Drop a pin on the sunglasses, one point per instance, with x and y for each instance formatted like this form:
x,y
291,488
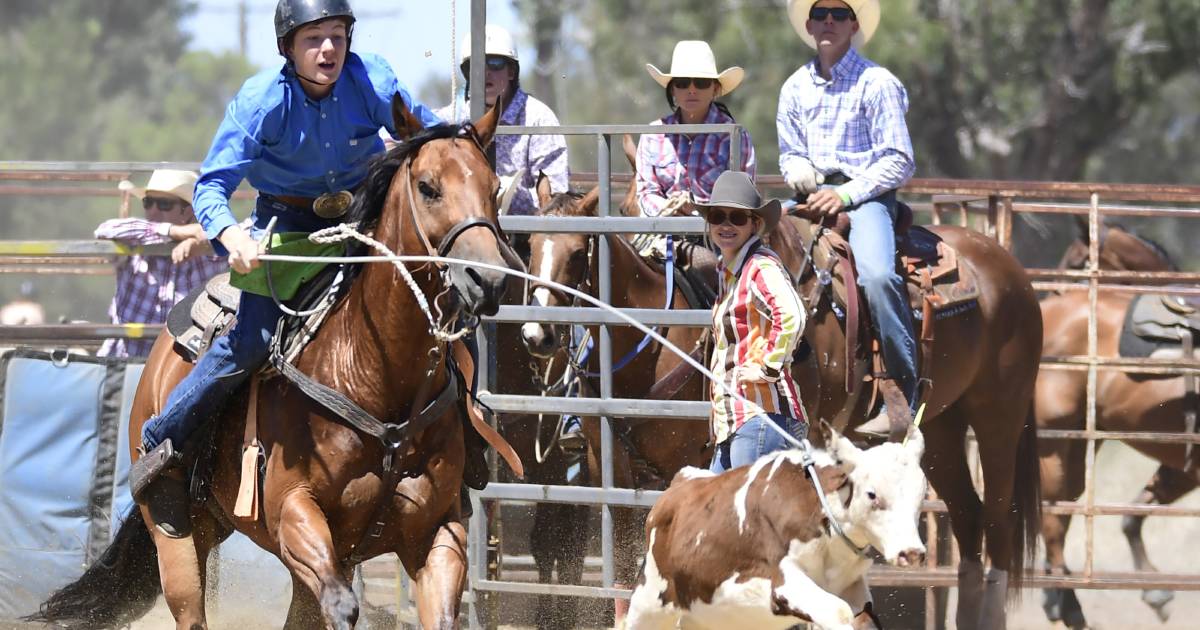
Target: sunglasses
x,y
496,63
685,83
735,217
165,205
840,14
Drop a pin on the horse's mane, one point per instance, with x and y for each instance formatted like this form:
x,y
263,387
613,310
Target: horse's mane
x,y
564,205
1152,244
372,194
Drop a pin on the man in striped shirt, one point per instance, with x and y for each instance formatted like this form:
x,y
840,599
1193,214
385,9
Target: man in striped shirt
x,y
844,143
148,286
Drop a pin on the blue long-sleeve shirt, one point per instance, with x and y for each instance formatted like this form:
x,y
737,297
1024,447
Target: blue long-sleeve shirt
x,y
285,143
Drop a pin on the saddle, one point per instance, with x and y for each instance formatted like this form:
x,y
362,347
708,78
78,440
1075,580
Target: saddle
x,y
1157,323
208,312
939,284
929,265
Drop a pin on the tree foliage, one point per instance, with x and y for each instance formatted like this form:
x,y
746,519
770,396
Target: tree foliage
x,y
100,81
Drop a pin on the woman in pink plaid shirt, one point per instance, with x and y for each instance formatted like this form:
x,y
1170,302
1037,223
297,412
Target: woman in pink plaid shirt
x,y
674,170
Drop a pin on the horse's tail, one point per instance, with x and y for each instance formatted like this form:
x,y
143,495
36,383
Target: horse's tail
x,y
117,589
1027,504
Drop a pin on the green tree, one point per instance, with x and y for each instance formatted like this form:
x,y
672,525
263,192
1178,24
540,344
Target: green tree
x,y
100,81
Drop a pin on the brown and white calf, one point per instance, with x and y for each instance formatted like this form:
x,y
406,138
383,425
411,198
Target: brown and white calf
x,y
752,548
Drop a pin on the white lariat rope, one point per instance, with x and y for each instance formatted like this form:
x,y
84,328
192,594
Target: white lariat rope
x,y
342,232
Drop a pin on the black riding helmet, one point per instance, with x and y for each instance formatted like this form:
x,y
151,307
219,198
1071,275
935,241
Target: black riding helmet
x,y
292,14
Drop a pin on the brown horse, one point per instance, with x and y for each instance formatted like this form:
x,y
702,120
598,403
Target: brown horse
x,y
1124,402
983,372
648,451
326,498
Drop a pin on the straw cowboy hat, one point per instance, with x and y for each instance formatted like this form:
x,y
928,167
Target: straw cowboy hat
x,y
866,11
694,59
167,181
734,189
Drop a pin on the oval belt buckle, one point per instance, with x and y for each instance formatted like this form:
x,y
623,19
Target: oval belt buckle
x,y
333,205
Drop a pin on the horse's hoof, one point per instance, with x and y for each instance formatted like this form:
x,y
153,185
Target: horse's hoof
x,y
1158,599
1072,612
1052,603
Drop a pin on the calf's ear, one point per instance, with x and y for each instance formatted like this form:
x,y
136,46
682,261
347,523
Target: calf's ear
x,y
914,443
846,452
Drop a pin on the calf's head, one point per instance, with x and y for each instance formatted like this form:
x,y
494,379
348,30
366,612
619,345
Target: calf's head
x,y
887,486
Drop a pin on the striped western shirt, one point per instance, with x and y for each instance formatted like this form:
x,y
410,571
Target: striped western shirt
x,y
673,162
852,123
758,319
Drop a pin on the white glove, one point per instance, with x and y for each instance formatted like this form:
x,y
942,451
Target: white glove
x,y
805,178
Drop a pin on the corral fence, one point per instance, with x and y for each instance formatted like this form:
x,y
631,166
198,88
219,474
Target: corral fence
x,y
989,206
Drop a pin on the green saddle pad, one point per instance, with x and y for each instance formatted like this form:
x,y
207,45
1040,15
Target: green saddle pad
x,y
287,277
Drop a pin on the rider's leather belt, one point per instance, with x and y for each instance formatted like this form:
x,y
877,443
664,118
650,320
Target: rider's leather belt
x,y
328,206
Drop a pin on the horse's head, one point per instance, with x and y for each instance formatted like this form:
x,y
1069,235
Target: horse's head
x,y
1120,250
561,258
434,193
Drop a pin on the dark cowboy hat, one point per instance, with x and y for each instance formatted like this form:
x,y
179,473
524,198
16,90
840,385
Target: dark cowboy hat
x,y
734,189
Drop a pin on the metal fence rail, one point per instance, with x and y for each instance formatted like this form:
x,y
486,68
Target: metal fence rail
x,y
991,204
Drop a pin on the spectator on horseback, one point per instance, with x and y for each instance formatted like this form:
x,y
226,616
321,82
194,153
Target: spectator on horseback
x,y
515,156
675,170
148,286
302,135
844,143
757,321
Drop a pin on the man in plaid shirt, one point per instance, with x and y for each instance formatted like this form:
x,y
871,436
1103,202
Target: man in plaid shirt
x,y
844,143
148,286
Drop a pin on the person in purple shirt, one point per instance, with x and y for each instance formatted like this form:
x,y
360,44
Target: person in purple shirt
x,y
844,143
523,156
302,135
148,286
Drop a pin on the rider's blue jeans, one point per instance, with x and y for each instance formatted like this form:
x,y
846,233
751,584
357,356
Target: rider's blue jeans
x,y
233,357
873,241
755,439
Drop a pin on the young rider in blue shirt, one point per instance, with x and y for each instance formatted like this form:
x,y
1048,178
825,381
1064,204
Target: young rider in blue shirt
x,y
301,135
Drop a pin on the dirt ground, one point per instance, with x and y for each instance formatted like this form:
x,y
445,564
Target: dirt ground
x,y
254,593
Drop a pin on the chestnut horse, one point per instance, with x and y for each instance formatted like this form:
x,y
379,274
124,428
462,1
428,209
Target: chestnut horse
x,y
983,372
1124,402
648,452
326,498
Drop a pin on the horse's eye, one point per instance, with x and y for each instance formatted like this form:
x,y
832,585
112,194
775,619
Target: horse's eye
x,y
429,192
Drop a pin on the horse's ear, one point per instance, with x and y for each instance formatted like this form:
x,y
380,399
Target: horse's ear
x,y
543,189
485,127
630,150
590,202
407,125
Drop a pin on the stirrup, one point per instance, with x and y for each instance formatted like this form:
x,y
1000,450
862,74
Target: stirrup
x,y
573,442
151,464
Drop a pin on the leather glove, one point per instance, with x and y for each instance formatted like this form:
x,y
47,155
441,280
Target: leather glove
x,y
805,178
677,204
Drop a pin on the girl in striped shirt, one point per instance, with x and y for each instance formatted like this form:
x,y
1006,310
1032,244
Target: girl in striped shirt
x,y
757,321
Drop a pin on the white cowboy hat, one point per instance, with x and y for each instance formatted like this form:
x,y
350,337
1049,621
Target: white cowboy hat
x,y
164,180
866,11
694,59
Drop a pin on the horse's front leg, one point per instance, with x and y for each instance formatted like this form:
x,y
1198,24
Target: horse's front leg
x,y
1167,486
306,548
440,576
182,565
